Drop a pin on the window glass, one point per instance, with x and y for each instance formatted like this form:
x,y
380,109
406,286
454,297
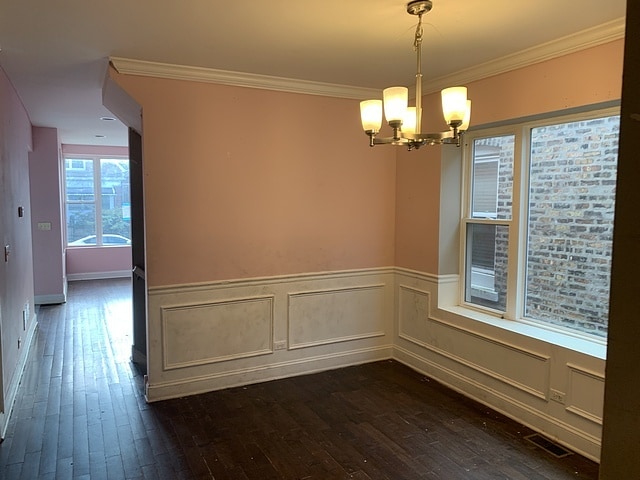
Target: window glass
x,y
492,179
116,216
486,279
572,175
81,212
97,201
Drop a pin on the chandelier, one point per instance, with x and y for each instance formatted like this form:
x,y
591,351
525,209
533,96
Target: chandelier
x,y
406,121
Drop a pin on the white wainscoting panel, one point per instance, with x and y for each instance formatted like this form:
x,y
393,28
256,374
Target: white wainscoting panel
x,y
337,315
585,396
201,333
210,336
413,313
517,367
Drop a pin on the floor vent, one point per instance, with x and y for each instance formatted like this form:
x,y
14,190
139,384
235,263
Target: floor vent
x,y
553,448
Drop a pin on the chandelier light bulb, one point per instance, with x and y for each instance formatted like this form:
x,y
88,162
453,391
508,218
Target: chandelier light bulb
x,y
395,103
467,118
454,104
371,115
410,120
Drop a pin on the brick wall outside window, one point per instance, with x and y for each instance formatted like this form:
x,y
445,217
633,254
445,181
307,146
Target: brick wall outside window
x,y
571,208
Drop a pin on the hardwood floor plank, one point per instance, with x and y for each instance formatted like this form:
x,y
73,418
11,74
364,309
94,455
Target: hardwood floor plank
x,y
30,466
115,468
65,432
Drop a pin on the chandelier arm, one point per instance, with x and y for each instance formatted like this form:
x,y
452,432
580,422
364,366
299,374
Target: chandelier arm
x,y
416,140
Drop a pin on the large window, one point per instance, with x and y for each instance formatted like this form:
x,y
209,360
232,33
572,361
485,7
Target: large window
x,y
538,221
97,201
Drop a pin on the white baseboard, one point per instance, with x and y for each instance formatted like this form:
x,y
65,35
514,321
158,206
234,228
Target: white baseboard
x,y
98,275
50,299
264,373
12,391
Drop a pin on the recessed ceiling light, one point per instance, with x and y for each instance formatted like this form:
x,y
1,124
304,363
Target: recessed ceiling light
x,y
107,119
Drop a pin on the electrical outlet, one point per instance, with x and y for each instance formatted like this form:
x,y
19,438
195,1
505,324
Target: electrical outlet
x,y
557,396
280,345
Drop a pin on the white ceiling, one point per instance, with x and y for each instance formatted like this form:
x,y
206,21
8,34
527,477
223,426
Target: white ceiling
x,y
56,52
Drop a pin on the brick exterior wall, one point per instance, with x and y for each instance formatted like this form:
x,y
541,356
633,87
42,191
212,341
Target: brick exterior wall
x,y
572,200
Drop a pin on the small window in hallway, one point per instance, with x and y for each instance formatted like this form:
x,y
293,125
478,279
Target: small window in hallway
x,y
97,201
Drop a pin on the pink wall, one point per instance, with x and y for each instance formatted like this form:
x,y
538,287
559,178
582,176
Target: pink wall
x,y
44,175
85,261
590,76
16,275
106,150
243,183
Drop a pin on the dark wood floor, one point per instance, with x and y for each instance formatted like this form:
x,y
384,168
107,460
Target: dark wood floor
x,y
80,413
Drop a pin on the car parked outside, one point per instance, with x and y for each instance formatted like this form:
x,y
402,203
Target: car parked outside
x,y
108,239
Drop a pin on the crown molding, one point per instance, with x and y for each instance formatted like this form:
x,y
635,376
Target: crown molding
x,y
144,68
591,37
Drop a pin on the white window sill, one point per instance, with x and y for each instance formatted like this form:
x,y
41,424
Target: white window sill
x,y
593,347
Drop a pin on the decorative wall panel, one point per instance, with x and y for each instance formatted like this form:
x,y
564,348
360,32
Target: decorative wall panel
x,y
202,333
336,315
586,393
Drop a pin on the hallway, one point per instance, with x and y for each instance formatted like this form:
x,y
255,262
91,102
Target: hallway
x,y
80,414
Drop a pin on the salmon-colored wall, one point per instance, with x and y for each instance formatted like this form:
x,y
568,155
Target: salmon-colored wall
x,y
243,183
587,77
582,78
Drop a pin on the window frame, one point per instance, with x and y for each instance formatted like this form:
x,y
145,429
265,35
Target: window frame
x,y
97,195
517,225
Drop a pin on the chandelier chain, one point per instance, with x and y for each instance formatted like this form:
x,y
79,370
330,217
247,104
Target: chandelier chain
x,y
418,36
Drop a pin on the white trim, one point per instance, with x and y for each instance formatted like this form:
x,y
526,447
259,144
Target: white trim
x,y
98,275
429,277
12,390
246,376
259,281
601,34
53,299
144,68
